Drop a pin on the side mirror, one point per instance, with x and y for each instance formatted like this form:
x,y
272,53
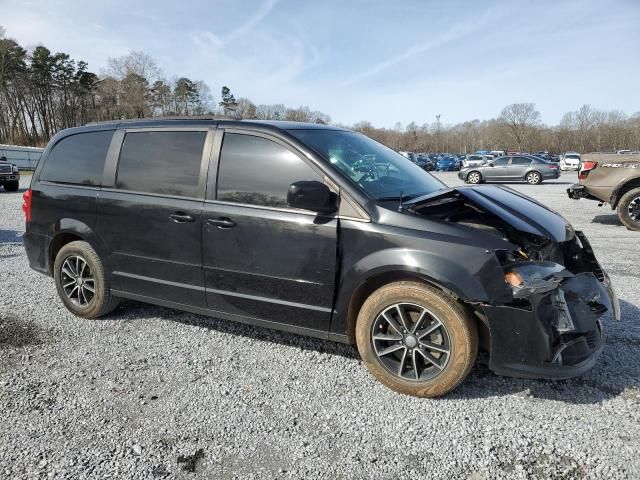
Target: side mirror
x,y
312,195
491,164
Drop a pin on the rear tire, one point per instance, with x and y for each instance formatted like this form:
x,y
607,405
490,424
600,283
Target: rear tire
x,y
533,178
416,362
11,186
629,209
77,271
474,177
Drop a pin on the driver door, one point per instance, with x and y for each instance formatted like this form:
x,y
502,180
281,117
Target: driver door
x,y
263,259
500,169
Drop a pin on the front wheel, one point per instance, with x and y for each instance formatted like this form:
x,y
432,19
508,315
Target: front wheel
x,y
629,209
533,178
474,177
415,339
81,282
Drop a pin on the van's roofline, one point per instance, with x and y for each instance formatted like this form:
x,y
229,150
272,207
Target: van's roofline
x,y
212,119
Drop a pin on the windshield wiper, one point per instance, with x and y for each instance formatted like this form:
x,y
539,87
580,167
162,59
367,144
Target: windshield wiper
x,y
398,198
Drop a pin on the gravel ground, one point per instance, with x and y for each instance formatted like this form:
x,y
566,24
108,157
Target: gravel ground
x,y
151,392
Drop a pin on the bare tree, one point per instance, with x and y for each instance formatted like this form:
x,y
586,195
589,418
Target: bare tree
x,y
520,119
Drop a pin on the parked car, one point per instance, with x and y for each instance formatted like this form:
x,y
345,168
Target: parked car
x,y
9,175
447,163
623,152
297,227
425,162
524,168
570,161
612,179
497,153
473,161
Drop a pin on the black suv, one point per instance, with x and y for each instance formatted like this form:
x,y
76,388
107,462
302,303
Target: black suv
x,y
319,231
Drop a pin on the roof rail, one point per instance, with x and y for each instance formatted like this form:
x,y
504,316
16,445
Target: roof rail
x,y
152,119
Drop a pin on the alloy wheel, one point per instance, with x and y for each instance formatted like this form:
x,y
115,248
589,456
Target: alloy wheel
x,y
411,342
474,177
77,280
634,210
533,178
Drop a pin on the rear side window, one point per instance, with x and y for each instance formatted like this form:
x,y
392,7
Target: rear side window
x,y
520,161
161,162
258,171
78,159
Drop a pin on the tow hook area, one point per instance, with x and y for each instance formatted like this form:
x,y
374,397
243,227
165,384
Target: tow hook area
x,y
553,328
577,191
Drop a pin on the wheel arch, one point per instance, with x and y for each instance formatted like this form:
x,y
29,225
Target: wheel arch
x,y
474,171
623,188
374,282
70,230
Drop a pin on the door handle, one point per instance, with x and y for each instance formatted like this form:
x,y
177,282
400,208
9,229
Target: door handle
x,y
181,217
222,222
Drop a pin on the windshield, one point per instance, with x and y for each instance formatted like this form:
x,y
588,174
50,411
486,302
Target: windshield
x,y
572,157
377,170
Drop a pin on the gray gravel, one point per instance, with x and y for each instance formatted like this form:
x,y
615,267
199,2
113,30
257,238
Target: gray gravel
x,y
154,393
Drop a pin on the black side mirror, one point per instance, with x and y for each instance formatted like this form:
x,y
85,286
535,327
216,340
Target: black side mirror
x,y
312,195
491,164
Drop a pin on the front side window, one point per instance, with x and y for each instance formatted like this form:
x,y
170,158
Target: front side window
x,y
377,170
161,162
78,159
258,171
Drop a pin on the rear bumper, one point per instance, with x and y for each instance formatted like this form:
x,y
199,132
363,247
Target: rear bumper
x,y
559,335
577,191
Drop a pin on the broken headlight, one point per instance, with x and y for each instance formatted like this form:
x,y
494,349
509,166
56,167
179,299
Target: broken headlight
x,y
527,278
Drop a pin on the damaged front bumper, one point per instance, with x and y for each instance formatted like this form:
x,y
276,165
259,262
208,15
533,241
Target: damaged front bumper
x,y
553,327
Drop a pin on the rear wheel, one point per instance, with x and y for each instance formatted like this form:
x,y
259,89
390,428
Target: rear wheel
x,y
11,186
81,282
415,339
533,178
474,177
629,209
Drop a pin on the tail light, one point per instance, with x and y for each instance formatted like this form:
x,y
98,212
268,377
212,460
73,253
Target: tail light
x,y
585,168
26,205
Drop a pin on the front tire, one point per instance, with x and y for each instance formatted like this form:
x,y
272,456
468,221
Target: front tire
x,y
533,178
81,282
415,339
474,177
629,209
11,186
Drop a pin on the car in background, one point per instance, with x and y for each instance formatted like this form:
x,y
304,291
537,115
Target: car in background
x,y
473,160
9,175
497,153
623,152
425,162
511,168
447,163
570,161
410,155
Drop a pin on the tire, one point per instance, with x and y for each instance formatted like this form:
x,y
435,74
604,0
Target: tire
x,y
456,332
77,297
629,209
12,186
474,177
533,178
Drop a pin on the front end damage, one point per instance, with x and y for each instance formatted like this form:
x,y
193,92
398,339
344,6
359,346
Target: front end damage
x,y
546,323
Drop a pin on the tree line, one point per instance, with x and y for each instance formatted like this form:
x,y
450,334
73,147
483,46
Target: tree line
x,y
43,92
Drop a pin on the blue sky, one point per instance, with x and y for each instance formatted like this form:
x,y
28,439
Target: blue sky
x,y
382,61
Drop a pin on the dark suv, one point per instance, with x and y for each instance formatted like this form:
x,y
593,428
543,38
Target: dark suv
x,y
319,231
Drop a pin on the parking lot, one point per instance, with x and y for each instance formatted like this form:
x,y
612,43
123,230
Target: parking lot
x,y
150,392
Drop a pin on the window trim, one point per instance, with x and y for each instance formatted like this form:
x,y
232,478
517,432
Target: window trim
x,y
112,163
215,167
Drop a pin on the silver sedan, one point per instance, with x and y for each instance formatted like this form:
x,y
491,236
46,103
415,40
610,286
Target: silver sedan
x,y
523,168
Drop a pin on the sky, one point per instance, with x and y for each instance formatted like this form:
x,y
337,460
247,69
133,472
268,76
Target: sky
x,y
384,61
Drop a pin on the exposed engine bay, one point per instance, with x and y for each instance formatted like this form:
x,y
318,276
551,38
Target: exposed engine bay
x,y
558,290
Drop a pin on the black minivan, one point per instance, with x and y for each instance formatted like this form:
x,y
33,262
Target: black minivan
x,y
320,231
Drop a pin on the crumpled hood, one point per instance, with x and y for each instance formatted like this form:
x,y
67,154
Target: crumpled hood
x,y
521,212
